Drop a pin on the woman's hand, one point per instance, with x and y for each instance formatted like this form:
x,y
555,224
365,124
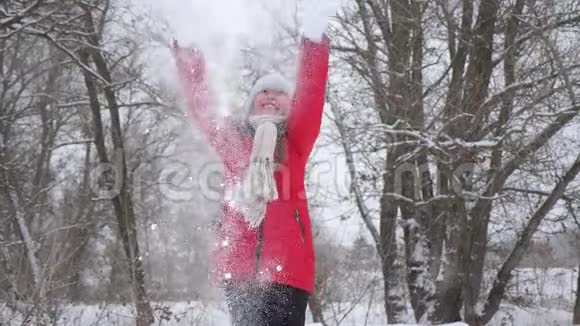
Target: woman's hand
x,y
189,60
316,17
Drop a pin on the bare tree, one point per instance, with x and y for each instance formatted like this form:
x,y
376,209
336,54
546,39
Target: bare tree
x,y
402,47
122,201
27,100
455,140
73,32
385,239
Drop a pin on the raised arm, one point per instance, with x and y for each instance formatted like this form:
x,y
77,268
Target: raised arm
x,y
192,73
306,115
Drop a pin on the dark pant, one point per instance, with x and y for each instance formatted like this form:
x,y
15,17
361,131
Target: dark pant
x,y
271,305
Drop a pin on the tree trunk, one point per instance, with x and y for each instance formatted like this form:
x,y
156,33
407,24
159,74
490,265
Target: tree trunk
x,y
14,202
122,203
390,262
480,230
316,308
419,279
455,288
448,301
400,107
82,234
415,175
448,292
384,238
476,90
576,317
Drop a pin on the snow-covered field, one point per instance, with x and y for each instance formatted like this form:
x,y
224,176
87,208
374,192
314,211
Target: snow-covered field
x,y
544,297
197,313
545,287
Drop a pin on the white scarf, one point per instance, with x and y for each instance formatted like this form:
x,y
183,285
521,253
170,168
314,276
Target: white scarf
x,y
258,187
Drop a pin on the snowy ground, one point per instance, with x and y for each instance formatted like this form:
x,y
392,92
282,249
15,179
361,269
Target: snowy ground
x,y
550,291
197,313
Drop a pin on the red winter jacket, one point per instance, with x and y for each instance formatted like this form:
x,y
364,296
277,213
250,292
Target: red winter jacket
x,y
281,250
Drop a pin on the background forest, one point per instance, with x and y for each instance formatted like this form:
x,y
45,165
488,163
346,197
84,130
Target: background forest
x,y
444,184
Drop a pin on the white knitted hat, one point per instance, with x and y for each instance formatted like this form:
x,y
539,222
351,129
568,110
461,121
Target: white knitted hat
x,y
271,82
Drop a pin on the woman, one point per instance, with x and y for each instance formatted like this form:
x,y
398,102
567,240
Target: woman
x,y
264,253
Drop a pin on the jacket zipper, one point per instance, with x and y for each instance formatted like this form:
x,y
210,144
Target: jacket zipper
x,y
259,250
299,221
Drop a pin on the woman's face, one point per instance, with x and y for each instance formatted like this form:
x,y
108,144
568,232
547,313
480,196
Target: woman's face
x,y
271,103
